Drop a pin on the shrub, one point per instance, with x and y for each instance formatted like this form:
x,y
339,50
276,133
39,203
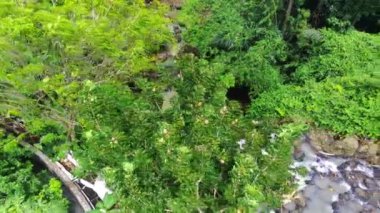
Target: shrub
x,y
346,105
24,188
332,54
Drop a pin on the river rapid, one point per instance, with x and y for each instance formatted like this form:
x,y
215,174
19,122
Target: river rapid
x,y
330,182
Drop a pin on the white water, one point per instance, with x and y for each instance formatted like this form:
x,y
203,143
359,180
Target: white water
x,y
332,184
99,186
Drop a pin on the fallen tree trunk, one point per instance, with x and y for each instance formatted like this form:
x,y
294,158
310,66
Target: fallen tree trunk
x,y
53,168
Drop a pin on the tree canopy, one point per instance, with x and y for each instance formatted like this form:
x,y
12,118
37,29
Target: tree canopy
x,y
149,111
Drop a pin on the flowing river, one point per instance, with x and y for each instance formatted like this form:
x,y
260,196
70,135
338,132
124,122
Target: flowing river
x,y
332,183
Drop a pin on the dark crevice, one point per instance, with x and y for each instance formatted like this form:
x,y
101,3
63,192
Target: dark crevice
x,y
318,13
239,93
368,24
134,88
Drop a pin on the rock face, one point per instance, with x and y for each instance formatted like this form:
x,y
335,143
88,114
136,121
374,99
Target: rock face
x,y
345,147
350,146
374,153
324,141
320,139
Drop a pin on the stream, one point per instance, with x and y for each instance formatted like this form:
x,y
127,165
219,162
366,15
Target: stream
x,y
332,183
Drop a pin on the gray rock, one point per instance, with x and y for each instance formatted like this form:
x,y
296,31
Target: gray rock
x,y
354,187
291,206
370,151
370,184
345,147
351,207
300,200
350,145
310,191
375,160
373,149
376,173
340,187
322,182
345,196
375,199
326,195
318,206
318,139
324,141
362,194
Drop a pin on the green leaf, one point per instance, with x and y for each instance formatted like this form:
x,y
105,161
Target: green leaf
x,y
109,201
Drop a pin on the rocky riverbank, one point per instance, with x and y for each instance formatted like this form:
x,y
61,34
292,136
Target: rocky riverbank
x,y
351,146
335,175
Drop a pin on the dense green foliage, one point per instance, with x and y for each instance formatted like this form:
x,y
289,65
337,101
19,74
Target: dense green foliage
x,y
243,37
89,76
347,105
330,54
22,187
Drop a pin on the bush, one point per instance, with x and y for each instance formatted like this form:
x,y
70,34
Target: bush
x,y
257,68
88,76
24,188
332,54
348,105
215,26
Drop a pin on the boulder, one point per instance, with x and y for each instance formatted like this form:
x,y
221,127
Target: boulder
x,y
300,200
362,151
374,160
319,139
346,147
349,146
369,151
298,153
373,149
290,206
323,141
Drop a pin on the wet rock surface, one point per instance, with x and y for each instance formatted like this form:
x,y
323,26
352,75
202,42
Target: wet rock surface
x,y
338,179
350,146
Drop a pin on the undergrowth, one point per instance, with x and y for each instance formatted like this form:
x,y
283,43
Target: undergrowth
x,y
107,80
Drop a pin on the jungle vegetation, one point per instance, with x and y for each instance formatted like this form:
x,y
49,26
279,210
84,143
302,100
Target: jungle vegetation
x,y
245,79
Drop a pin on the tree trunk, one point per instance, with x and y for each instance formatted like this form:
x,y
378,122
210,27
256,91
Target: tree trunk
x,y
73,188
287,15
